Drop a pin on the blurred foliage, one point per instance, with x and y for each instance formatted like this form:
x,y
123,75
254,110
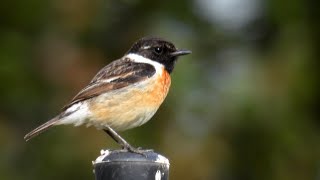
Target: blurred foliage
x,y
244,105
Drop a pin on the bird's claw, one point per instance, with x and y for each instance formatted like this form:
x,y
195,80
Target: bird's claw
x,y
138,150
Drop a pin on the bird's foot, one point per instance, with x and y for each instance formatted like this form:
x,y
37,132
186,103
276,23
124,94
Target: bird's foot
x,y
138,150
124,144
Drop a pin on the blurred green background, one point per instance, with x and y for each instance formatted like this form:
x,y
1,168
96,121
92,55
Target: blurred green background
x,y
243,106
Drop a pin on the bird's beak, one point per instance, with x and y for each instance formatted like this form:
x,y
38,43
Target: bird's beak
x,y
180,53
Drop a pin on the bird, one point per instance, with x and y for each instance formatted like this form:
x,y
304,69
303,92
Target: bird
x,y
124,94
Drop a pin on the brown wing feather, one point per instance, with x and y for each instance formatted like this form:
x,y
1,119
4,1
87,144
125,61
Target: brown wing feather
x,y
120,73
113,69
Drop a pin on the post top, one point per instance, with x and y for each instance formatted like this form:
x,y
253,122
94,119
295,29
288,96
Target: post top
x,y
121,155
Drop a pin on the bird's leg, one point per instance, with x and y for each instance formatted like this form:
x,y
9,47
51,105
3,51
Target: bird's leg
x,y
125,145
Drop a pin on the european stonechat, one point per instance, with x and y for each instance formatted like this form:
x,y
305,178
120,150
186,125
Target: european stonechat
x,y
124,94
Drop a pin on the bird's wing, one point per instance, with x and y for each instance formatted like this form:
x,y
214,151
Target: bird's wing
x,y
116,75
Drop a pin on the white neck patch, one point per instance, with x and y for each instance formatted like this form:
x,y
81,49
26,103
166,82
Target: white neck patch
x,y
140,59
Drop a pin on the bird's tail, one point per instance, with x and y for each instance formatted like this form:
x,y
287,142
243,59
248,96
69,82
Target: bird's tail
x,y
41,129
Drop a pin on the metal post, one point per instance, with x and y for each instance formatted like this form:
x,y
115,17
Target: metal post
x,y
118,164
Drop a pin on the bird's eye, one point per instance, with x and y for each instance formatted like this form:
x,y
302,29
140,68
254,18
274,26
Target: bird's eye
x,y
158,50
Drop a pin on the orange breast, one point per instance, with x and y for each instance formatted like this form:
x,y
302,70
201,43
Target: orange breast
x,y
130,106
159,89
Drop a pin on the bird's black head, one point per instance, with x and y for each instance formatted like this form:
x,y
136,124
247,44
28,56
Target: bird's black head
x,y
159,50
